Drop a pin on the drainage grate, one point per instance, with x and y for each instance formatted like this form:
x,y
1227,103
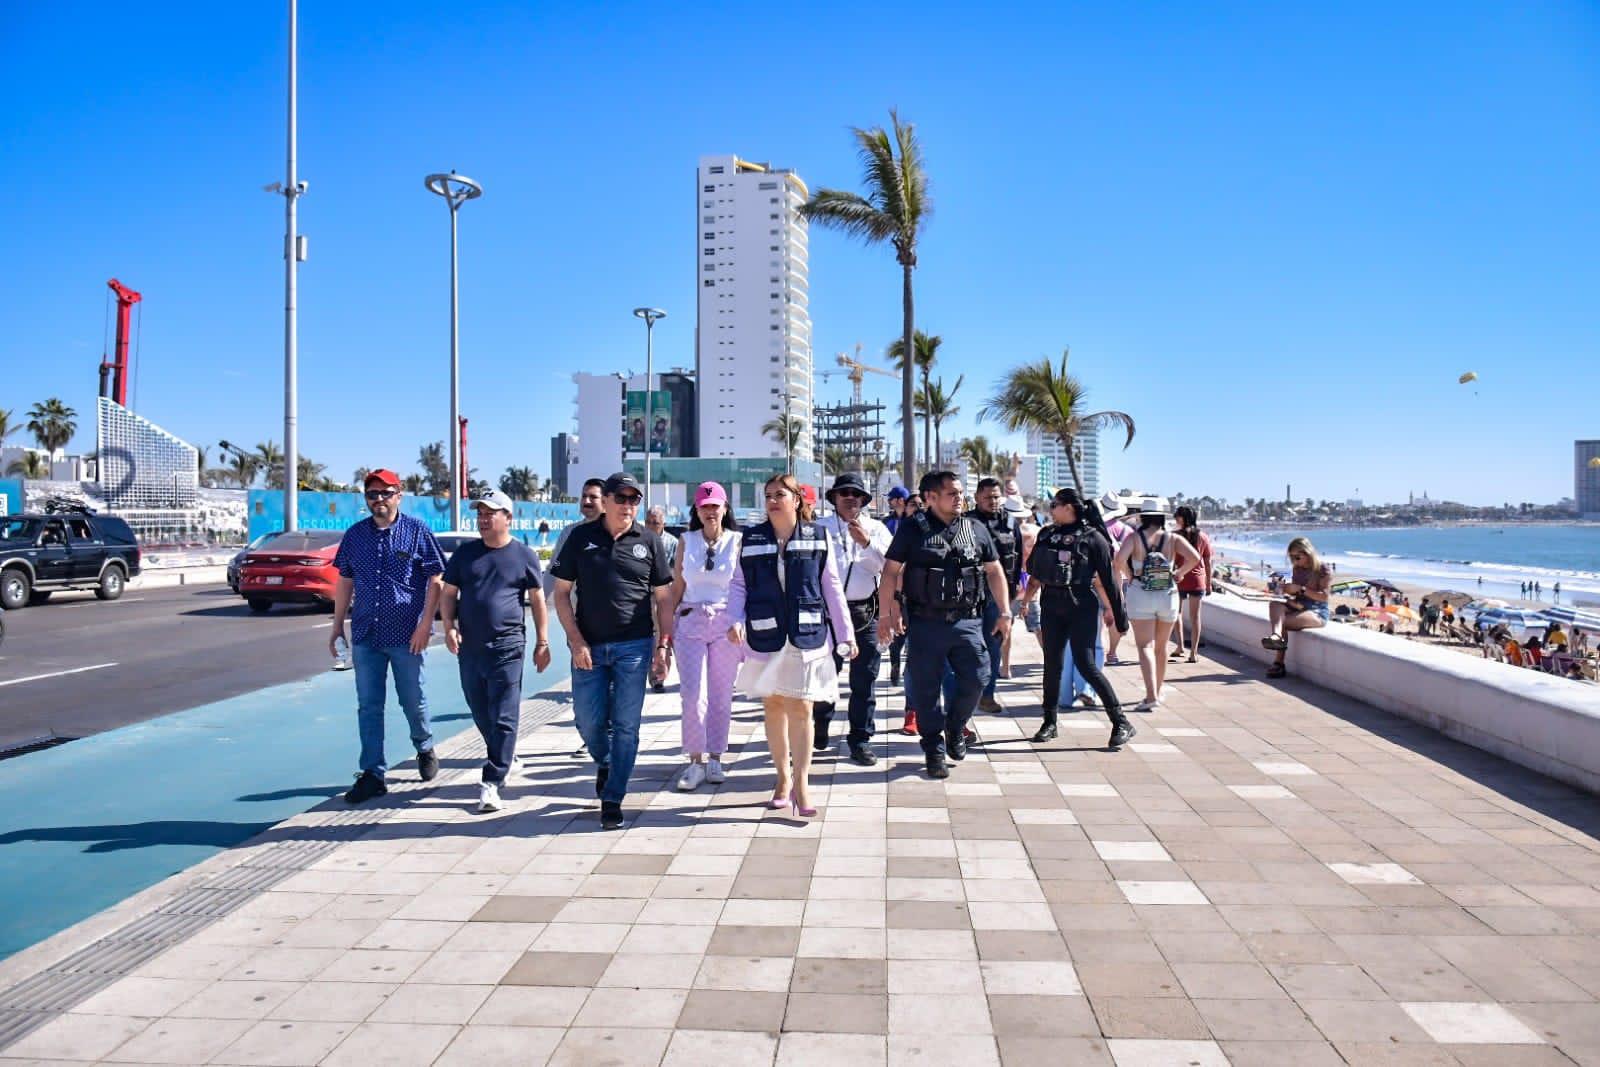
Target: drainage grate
x,y
36,744
37,1000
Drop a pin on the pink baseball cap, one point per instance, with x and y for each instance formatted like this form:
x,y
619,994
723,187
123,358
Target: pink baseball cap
x,y
709,493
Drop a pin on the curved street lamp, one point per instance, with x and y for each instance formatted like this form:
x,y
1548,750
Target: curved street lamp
x,y
456,189
650,317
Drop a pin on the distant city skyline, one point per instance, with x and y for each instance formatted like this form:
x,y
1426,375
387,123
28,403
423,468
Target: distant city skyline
x,y
1275,237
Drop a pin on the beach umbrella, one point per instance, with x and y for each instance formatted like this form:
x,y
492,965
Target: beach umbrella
x,y
1400,611
1516,619
1380,583
1573,617
1449,596
1349,587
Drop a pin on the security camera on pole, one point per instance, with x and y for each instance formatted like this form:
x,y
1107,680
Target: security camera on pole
x,y
456,189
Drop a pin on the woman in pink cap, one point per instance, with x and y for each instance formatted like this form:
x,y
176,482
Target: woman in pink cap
x,y
707,661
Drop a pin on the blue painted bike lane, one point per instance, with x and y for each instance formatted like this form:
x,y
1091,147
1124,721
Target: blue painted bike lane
x,y
93,822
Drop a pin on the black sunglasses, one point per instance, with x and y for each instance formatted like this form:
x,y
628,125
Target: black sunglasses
x,y
711,558
381,494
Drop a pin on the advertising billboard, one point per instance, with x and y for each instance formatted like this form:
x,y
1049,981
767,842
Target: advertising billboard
x,y
657,427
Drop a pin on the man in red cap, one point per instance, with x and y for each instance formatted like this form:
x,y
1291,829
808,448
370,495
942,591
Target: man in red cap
x,y
391,566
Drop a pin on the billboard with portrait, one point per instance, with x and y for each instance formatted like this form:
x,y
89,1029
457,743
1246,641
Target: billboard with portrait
x,y
655,427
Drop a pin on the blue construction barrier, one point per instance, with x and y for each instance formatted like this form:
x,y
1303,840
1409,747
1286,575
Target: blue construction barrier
x,y
339,511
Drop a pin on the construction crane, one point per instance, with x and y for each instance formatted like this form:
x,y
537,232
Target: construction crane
x,y
116,367
858,371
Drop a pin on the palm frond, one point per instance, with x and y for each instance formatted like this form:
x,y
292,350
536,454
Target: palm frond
x,y
880,174
849,213
913,177
1105,420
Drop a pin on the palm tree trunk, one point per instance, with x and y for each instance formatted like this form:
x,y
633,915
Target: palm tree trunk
x,y
927,425
1072,463
908,418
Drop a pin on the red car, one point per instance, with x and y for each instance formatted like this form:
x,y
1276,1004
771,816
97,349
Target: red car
x,y
291,568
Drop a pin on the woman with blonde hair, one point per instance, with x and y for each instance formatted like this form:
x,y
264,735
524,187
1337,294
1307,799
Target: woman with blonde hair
x,y
1304,605
782,601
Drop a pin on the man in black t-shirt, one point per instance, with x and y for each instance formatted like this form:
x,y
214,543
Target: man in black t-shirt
x,y
484,585
619,571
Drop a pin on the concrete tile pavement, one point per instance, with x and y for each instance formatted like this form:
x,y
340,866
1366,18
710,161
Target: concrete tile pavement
x,y
1273,874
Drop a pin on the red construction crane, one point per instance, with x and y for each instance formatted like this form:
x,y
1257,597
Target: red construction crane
x,y
116,368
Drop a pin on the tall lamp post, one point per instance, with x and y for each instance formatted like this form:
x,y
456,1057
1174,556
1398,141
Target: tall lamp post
x,y
456,189
650,317
294,253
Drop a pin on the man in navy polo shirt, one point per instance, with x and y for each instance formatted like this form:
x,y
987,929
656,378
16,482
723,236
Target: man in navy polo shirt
x,y
390,565
618,571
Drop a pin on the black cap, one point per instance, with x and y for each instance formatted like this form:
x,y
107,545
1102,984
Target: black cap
x,y
620,480
852,481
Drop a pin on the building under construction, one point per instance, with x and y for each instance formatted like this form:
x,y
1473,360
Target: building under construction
x,y
856,429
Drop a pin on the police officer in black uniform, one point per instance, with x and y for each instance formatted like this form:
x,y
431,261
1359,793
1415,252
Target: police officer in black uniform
x,y
1066,559
941,561
1006,534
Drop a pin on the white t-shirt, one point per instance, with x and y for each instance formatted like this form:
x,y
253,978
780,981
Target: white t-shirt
x,y
702,586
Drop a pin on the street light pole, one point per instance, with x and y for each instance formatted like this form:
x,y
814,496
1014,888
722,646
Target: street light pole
x,y
650,317
293,253
456,189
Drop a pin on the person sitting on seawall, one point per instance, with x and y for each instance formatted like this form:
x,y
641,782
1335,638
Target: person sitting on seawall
x,y
1305,606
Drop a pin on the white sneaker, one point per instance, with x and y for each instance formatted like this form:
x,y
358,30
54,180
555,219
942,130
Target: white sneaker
x,y
691,777
489,797
714,772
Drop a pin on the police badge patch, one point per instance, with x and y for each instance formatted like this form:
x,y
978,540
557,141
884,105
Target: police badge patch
x,y
640,552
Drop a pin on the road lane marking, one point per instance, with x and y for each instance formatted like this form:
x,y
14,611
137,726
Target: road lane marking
x,y
55,674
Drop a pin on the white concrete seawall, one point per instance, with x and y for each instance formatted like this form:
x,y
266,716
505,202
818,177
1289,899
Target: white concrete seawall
x,y
1545,723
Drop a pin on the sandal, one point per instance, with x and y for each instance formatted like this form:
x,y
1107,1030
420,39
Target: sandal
x,y
1274,643
1277,670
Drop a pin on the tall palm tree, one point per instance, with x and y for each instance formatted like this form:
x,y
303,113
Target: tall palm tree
x,y
1039,396
242,467
435,468
269,458
7,427
519,483
935,406
834,460
31,465
924,354
359,478
415,484
983,459
52,424
785,430
308,472
895,209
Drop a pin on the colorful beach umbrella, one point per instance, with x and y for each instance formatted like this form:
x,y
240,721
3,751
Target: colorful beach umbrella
x,y
1573,617
1516,619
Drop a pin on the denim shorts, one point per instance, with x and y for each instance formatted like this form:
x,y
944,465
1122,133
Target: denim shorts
x,y
1145,603
1319,608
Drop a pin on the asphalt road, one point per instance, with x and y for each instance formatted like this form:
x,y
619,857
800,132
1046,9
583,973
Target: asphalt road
x,y
79,666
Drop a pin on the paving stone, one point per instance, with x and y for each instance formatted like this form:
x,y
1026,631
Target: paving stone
x,y
852,1013
724,1009
558,968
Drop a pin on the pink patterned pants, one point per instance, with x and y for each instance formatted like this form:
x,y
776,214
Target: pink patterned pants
x,y
707,665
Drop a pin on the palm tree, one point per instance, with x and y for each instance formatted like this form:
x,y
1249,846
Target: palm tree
x,y
935,406
981,457
31,465
242,468
895,209
435,468
924,354
519,483
785,430
308,472
7,427
1038,396
359,478
414,484
834,460
269,458
52,424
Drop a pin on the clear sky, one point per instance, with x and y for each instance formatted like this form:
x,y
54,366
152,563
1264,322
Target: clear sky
x,y
1274,234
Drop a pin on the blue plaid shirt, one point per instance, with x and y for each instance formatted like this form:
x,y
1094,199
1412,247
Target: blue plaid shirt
x,y
391,569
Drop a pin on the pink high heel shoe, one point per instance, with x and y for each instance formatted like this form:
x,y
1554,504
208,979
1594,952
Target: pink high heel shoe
x,y
804,813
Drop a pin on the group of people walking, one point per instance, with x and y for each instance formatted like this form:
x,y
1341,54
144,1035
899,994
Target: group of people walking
x,y
781,611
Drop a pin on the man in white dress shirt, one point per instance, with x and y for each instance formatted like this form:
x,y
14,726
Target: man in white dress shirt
x,y
857,542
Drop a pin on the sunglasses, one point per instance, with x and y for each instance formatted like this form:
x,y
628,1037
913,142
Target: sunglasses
x,y
382,494
627,500
711,558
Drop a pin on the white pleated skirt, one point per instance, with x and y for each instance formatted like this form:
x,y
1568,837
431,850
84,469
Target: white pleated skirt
x,y
790,672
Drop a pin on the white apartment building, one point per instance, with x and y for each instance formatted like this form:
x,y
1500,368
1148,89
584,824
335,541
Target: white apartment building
x,y
753,334
1054,459
599,416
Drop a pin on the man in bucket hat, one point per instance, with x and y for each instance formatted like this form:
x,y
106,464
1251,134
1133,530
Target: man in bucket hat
x,y
858,542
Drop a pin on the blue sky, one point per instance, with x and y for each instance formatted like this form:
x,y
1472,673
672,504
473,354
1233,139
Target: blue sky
x,y
1275,235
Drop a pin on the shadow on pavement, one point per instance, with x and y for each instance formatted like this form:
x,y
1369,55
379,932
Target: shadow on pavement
x,y
241,610
323,791
117,837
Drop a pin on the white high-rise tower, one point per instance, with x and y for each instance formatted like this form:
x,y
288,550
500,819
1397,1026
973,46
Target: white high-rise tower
x,y
753,336
1048,446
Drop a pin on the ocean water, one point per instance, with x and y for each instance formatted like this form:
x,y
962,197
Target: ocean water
x,y
1445,557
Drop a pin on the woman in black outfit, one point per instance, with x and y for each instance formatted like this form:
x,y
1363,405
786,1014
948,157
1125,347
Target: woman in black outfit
x,y
1066,559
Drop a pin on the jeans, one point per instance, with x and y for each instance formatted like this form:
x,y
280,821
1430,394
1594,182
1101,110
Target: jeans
x,y
372,665
863,680
991,619
607,703
1073,684
491,679
1079,629
932,647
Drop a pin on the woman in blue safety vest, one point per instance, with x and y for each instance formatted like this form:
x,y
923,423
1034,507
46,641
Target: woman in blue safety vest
x,y
784,598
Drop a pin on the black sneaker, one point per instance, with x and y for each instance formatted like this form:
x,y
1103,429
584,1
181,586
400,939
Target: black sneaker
x,y
581,752
1121,734
937,768
428,765
862,755
367,786
610,815
956,745
600,778
1046,732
